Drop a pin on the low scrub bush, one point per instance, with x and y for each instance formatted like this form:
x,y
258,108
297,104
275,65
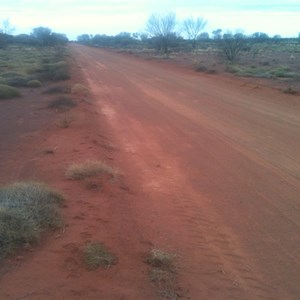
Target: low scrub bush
x,y
59,89
55,71
90,169
26,209
8,92
62,103
96,255
15,78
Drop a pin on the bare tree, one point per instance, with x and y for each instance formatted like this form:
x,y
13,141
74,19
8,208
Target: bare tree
x,y
162,27
6,27
192,28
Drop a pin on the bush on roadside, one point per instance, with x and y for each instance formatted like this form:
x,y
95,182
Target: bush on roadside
x,y
90,169
55,71
62,102
8,92
26,209
96,255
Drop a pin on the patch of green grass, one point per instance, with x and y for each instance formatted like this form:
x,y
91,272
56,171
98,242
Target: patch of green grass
x,y
90,168
96,255
26,210
62,103
8,92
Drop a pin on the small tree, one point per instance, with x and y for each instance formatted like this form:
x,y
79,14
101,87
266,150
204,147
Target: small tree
x,y
161,27
6,27
43,35
192,27
232,45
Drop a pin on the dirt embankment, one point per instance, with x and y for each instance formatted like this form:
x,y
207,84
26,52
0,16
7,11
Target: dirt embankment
x,y
210,171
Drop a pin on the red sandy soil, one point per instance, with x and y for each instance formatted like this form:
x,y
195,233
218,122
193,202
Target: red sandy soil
x,y
210,171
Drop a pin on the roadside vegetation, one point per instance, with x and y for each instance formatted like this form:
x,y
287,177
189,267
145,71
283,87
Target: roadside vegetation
x,y
27,61
96,255
186,41
90,168
26,210
162,273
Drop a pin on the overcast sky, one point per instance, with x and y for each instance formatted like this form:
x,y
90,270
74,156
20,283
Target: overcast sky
x,y
75,17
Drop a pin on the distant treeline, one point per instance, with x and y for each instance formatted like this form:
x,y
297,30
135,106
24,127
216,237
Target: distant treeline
x,y
40,36
173,41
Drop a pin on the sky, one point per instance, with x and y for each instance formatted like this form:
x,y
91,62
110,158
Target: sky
x,y
75,17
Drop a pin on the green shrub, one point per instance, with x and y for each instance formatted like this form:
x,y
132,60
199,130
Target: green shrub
x,y
34,83
26,209
8,92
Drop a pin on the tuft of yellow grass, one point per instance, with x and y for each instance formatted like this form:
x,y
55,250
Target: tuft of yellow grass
x,y
90,168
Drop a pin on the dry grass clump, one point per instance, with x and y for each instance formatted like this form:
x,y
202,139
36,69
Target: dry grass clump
x,y
96,255
162,273
161,259
290,91
26,209
79,89
90,168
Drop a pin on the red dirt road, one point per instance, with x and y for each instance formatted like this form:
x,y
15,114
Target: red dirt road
x,y
211,171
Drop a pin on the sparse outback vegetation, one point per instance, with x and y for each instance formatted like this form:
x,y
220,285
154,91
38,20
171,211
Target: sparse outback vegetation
x,y
62,103
26,210
163,273
23,66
